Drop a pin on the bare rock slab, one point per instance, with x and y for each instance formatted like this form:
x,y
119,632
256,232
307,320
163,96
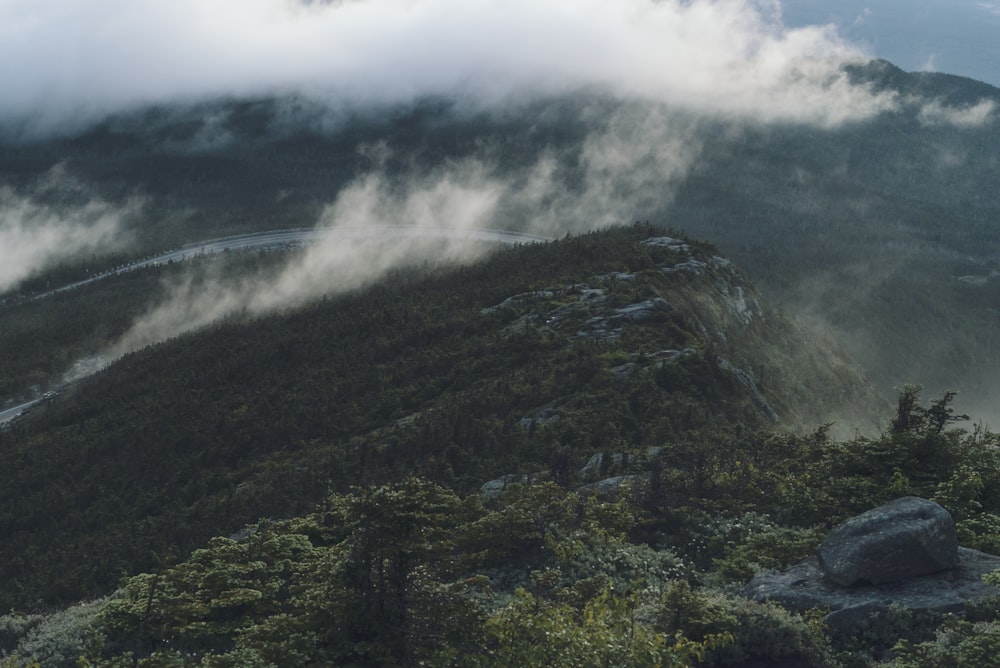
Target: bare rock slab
x,y
803,587
905,538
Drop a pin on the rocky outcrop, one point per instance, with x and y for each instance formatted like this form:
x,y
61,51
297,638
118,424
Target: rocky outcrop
x,y
679,298
804,587
902,554
902,539
494,488
612,488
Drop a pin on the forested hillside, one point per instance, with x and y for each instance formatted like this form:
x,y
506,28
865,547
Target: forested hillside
x,y
531,362
572,454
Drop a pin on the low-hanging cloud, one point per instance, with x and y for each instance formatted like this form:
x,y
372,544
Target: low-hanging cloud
x,y
63,61
35,235
627,169
677,63
936,112
436,208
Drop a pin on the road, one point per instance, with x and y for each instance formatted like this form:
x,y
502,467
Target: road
x,y
305,236
9,414
286,238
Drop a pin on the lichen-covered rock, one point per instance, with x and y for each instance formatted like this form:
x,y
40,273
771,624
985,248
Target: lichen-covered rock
x,y
903,555
905,538
612,488
803,587
495,488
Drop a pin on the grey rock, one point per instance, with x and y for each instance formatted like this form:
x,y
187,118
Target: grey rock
x,y
668,242
615,276
902,539
517,299
648,309
494,488
747,381
610,488
544,416
804,587
903,554
616,463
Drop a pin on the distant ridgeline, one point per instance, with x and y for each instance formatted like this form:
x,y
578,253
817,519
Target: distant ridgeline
x,y
533,361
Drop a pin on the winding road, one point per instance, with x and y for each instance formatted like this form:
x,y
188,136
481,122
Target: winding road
x,y
305,236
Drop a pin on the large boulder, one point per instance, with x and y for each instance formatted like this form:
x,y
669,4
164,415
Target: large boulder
x,y
902,539
902,555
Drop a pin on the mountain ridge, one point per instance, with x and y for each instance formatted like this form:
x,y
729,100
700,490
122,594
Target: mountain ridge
x,y
646,339
851,227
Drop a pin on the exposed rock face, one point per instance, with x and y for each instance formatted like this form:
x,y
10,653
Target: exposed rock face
x,y
902,539
611,488
680,298
803,587
494,488
904,554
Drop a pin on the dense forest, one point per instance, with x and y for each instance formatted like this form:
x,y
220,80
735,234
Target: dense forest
x,y
554,456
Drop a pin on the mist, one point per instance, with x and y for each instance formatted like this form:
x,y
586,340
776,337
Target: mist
x,y
628,168
36,234
676,71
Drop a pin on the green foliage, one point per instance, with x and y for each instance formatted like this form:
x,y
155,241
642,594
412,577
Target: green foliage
x,y
957,643
411,573
529,632
59,639
758,631
757,546
980,532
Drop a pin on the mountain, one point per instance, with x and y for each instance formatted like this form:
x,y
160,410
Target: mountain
x,y
936,35
446,455
530,362
879,231
570,453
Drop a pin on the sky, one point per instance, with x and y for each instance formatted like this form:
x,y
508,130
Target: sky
x,y
65,62
951,36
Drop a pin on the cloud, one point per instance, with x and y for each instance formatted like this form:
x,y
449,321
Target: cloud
x,y
435,208
64,61
976,115
626,170
36,234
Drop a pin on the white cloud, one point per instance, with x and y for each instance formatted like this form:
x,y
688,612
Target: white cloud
x,y
936,113
61,60
461,197
629,167
35,235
